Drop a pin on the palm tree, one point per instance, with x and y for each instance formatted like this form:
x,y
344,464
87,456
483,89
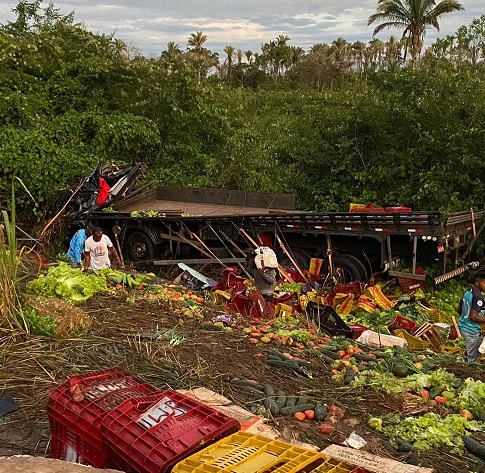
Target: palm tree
x,y
249,55
172,51
393,48
375,53
229,50
197,40
412,16
340,49
239,56
201,59
358,50
319,47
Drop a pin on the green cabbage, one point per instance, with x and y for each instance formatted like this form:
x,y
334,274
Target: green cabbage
x,y
68,283
431,431
471,397
440,377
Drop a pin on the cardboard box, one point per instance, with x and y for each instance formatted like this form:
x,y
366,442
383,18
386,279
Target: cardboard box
x,y
370,462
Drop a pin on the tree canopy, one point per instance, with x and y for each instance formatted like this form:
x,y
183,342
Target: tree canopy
x,y
339,123
413,17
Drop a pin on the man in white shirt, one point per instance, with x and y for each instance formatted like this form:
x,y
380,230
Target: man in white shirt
x,y
98,248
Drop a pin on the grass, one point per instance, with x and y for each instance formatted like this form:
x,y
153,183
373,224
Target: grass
x,y
11,316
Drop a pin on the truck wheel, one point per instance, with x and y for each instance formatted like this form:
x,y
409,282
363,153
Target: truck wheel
x,y
367,264
347,269
364,275
301,259
140,247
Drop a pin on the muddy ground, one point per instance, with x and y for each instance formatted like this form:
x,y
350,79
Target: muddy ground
x,y
30,368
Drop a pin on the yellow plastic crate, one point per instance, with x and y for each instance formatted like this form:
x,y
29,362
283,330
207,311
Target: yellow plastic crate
x,y
222,296
437,316
249,453
283,310
414,343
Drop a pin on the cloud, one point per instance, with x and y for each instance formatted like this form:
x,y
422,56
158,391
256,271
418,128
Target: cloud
x,y
150,24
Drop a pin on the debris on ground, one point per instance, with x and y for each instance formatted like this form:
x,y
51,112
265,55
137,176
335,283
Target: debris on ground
x,y
283,370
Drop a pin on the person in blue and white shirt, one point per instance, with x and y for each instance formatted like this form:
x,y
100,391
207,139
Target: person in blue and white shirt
x,y
472,318
75,253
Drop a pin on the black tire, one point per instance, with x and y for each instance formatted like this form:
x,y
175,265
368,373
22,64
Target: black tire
x,y
302,259
367,264
364,275
346,269
140,247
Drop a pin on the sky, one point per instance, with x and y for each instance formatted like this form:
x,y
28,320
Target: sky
x,y
150,24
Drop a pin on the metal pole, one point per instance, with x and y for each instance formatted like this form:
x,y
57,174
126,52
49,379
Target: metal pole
x,y
233,243
227,248
415,252
203,244
389,251
283,273
286,252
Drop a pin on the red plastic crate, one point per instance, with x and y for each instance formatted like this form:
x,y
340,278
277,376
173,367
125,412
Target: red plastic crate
x,y
153,433
76,426
398,209
402,322
357,330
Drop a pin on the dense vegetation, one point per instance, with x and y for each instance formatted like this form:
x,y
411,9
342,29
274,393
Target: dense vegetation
x,y
340,123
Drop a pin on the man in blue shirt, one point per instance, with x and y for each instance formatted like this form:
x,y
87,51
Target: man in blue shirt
x,y
472,317
76,246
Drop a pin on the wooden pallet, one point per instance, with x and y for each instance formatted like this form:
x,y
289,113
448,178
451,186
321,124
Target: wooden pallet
x,y
429,333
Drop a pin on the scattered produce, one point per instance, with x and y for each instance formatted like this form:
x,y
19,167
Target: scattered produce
x,y
147,214
474,447
430,431
310,414
447,409
67,283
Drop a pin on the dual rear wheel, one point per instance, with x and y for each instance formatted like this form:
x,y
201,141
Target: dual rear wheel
x,y
347,268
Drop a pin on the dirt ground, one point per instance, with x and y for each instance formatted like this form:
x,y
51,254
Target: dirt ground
x,y
205,358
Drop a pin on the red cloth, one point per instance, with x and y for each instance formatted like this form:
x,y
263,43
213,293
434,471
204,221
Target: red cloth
x,y
104,189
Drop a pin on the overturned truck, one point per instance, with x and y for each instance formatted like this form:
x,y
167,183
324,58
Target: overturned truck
x,y
167,225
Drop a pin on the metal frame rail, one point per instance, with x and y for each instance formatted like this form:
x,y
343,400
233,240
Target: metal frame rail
x,y
429,224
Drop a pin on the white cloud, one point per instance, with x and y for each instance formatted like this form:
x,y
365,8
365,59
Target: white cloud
x,y
150,24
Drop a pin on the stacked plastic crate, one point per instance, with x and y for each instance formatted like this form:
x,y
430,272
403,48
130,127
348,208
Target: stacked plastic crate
x,y
112,418
77,407
248,453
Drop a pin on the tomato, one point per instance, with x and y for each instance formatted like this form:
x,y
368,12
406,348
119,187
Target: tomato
x,y
310,414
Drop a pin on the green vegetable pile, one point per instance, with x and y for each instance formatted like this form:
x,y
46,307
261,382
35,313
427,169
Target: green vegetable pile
x,y
380,382
378,320
471,396
289,288
447,297
67,283
386,382
431,431
147,214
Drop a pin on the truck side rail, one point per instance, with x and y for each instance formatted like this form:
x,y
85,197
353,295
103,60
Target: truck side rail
x,y
432,224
